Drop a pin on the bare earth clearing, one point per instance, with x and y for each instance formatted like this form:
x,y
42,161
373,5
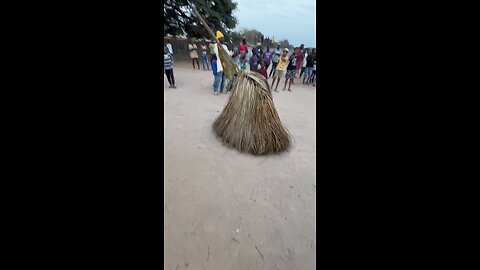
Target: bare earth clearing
x,y
226,210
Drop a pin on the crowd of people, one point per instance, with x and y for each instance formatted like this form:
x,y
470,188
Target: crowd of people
x,y
301,62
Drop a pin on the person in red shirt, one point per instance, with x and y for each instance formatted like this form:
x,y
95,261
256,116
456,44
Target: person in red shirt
x,y
299,54
243,52
243,46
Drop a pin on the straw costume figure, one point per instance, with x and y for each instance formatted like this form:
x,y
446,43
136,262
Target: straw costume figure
x,y
249,122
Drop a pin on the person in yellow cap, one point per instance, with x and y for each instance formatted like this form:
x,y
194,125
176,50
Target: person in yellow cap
x,y
219,86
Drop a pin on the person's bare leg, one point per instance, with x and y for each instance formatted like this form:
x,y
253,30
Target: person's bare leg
x,y
285,85
278,81
274,78
290,85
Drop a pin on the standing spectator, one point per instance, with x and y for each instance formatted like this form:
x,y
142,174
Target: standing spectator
x,y
218,78
304,62
211,46
314,72
243,46
280,68
309,68
243,54
276,57
291,69
299,55
220,73
243,64
193,54
236,57
267,58
203,47
254,61
169,47
262,69
168,67
259,52
231,79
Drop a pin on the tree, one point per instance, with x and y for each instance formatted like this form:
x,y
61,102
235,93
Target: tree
x,y
234,38
179,18
285,44
252,36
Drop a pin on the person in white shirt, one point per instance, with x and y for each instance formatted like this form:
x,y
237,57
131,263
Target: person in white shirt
x,y
169,47
304,63
204,56
220,64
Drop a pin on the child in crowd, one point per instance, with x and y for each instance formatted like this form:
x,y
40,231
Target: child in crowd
x,y
267,58
193,54
243,54
237,57
308,68
280,68
304,62
214,69
262,69
211,47
275,58
254,61
299,53
230,80
314,71
259,52
168,67
203,47
243,61
219,77
291,69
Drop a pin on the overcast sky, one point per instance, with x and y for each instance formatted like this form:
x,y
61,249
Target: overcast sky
x,y
284,19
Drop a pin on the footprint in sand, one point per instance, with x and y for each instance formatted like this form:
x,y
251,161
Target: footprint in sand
x,y
202,147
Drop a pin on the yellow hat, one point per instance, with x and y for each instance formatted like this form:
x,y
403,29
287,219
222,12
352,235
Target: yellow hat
x,y
219,34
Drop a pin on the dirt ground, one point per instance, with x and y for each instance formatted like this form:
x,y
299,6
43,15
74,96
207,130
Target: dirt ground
x,y
226,210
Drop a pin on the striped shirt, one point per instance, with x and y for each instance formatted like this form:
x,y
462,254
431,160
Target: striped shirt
x,y
168,61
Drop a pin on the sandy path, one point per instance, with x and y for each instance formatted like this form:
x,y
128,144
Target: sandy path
x,y
226,210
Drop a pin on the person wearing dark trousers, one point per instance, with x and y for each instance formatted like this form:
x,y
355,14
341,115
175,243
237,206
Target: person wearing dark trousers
x,y
314,72
211,47
304,62
276,57
193,54
267,58
254,61
168,66
203,47
309,67
291,69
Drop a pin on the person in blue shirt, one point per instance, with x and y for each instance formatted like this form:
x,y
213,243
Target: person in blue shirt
x,y
275,59
218,76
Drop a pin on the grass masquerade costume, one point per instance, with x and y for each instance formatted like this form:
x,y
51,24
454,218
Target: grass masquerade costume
x,y
249,122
